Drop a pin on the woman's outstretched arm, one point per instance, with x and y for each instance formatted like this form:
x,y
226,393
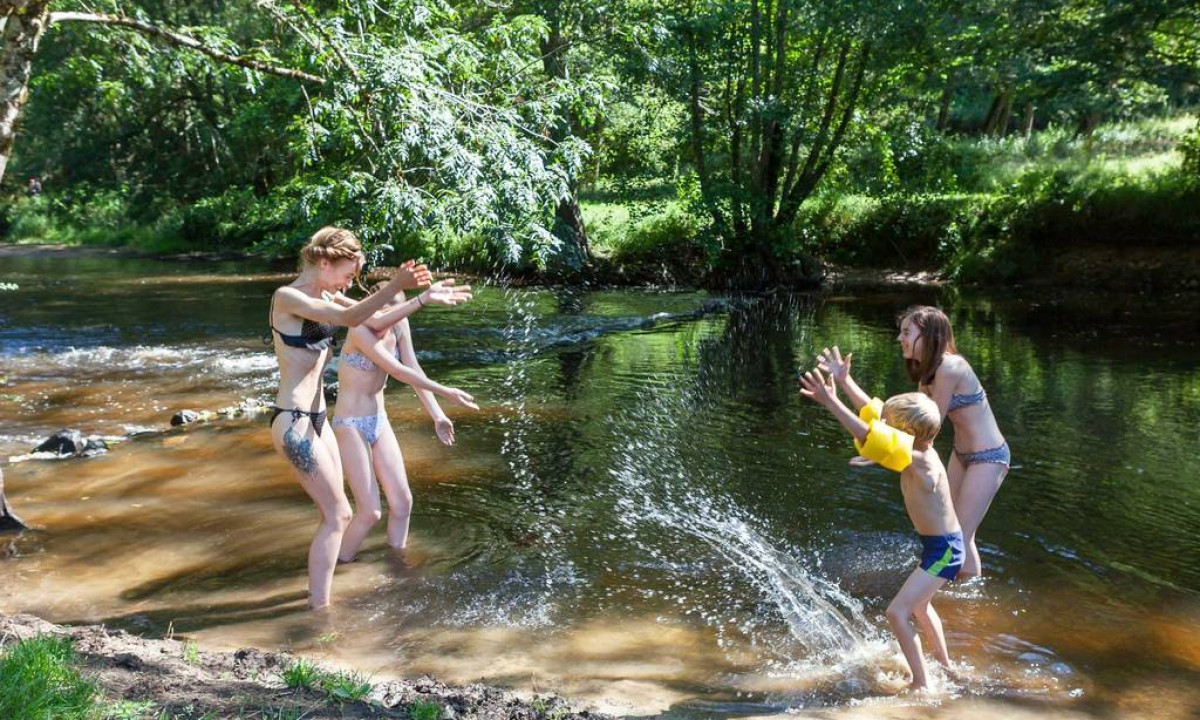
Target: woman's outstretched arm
x,y
291,300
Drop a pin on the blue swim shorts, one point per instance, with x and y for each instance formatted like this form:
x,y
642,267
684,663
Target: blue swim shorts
x,y
942,555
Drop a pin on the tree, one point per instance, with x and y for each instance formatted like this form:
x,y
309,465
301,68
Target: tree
x,y
772,88
26,21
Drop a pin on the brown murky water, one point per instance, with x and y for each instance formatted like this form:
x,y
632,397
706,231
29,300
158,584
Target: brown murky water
x,y
643,514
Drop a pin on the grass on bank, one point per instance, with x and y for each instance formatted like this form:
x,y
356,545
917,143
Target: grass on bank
x,y
40,680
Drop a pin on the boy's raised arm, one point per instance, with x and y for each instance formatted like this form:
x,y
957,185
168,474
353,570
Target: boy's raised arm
x,y
822,390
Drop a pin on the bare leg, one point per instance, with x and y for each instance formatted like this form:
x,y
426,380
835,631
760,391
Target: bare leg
x,y
916,592
356,459
389,468
319,473
978,486
931,627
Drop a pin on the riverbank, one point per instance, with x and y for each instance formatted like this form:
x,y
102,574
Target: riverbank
x,y
172,678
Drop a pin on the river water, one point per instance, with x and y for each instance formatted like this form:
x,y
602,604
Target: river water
x,y
644,514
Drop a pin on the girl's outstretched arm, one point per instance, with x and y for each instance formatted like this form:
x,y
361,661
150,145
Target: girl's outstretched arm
x,y
443,425
838,367
373,348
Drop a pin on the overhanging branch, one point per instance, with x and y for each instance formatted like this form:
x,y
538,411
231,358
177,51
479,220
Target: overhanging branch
x,y
186,41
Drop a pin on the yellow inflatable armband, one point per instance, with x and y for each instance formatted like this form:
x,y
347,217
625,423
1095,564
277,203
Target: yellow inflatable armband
x,y
871,411
887,446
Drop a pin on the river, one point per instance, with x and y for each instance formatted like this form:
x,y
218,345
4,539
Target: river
x,y
644,512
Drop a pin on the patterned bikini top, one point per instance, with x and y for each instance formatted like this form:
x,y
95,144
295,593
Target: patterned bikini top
x,y
355,359
958,402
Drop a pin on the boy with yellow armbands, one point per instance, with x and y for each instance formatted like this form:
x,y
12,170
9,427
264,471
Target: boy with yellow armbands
x,y
898,434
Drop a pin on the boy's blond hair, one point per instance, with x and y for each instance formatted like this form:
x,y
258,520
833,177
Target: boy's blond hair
x,y
915,413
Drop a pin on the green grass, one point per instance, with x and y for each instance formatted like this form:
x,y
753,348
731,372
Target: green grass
x,y
425,710
339,686
302,674
191,653
39,681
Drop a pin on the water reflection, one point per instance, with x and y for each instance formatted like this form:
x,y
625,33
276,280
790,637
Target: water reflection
x,y
643,510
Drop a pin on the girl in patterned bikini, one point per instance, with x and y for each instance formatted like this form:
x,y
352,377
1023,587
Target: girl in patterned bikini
x,y
303,318
370,452
981,458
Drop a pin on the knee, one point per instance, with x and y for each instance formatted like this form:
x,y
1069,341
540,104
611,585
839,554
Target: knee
x,y
898,614
341,517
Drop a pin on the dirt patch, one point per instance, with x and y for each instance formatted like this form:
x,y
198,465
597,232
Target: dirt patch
x,y
184,682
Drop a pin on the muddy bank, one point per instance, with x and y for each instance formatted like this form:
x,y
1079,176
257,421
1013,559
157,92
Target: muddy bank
x,y
184,682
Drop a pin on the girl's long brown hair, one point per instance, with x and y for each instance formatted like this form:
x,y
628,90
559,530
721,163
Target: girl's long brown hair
x,y
937,340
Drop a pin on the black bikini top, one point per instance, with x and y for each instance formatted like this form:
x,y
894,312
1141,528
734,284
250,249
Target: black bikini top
x,y
313,336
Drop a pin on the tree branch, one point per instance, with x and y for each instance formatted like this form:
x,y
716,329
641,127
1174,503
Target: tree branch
x,y
186,41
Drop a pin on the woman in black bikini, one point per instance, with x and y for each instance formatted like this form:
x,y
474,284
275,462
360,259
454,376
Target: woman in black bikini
x,y
304,316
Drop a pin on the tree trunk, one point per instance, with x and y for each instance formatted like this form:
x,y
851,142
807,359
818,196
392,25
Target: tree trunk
x,y
993,116
1005,115
8,520
943,118
25,23
1027,130
568,215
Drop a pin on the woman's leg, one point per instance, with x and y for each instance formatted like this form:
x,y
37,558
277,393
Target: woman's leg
x,y
979,485
389,468
356,460
319,473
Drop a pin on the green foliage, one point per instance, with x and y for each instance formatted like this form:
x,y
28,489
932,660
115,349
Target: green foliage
x,y
339,686
425,710
1190,149
38,681
302,674
346,687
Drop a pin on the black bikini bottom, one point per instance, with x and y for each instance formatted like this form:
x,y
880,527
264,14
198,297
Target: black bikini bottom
x,y
318,418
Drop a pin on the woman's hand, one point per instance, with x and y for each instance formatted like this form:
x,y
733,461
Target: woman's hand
x,y
832,362
459,397
446,293
413,276
860,461
444,427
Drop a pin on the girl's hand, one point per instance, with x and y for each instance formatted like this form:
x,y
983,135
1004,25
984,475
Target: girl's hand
x,y
832,362
817,387
860,461
459,397
413,276
445,429
446,293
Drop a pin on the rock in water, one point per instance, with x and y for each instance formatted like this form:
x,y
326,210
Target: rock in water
x,y
63,442
72,443
94,446
8,521
183,417
331,392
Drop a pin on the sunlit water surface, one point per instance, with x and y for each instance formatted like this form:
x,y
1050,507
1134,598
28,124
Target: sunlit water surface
x,y
644,514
